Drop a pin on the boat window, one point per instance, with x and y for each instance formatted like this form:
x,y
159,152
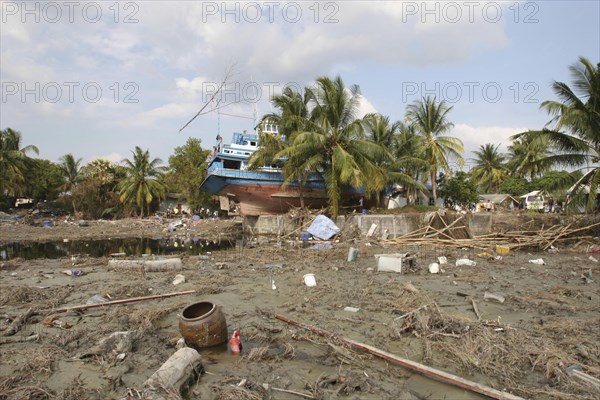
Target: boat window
x,y
252,143
246,153
231,164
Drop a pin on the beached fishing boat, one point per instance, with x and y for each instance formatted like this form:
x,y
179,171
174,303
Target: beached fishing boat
x,y
261,192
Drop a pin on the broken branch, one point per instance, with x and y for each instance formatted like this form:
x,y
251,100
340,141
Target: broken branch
x,y
412,365
114,302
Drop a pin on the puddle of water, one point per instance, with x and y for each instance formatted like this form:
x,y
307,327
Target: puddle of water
x,y
102,248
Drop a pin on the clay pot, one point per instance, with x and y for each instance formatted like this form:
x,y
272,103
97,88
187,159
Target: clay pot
x,y
203,325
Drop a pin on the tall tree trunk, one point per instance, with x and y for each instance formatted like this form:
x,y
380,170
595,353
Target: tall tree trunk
x,y
433,186
301,192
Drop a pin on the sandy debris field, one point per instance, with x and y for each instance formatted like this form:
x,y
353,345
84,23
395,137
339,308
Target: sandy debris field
x,y
535,321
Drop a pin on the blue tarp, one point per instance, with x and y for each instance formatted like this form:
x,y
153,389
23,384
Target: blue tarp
x,y
323,228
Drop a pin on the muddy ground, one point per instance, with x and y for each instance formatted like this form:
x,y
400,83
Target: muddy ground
x,y
550,320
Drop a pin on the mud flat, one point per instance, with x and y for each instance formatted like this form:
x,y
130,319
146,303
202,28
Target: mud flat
x,y
548,321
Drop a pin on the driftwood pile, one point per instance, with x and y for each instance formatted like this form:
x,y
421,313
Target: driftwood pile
x,y
545,238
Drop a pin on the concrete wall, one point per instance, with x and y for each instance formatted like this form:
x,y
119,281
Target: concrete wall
x,y
269,225
480,223
396,225
401,224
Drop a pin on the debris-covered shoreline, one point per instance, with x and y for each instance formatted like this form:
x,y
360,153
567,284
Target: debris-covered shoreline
x,y
526,329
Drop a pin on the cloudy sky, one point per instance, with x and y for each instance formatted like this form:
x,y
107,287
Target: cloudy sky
x,y
97,78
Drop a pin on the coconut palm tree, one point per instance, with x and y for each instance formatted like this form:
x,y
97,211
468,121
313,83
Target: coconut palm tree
x,y
332,142
71,171
291,118
489,170
381,131
574,130
409,155
430,120
13,161
141,186
527,156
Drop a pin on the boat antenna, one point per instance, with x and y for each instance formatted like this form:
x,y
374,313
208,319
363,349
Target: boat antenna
x,y
218,118
227,75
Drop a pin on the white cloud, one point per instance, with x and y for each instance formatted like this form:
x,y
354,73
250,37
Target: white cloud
x,y
474,136
113,157
365,107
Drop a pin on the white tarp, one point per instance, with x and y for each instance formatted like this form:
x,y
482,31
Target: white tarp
x,y
323,228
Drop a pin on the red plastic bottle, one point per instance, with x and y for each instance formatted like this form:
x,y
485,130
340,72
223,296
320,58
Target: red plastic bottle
x,y
235,343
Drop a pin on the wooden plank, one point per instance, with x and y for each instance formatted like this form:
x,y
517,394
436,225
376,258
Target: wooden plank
x,y
412,365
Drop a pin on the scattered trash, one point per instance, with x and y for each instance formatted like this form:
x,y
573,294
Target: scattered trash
x,y
178,279
385,234
351,309
166,264
235,343
174,376
310,280
48,224
352,254
465,261
180,344
273,287
56,322
552,250
409,287
593,259
434,268
323,228
502,249
96,299
395,262
121,356
485,254
305,236
372,230
442,260
196,217
321,246
493,296
577,372
586,277
76,272
537,261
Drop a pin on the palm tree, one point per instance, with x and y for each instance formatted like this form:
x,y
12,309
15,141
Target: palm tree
x,y
140,185
574,130
71,171
430,120
489,170
409,155
527,156
291,118
379,130
332,143
13,161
